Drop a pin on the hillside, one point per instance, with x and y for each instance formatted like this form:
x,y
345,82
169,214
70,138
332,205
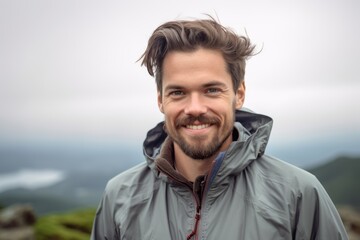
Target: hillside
x,y
341,178
74,225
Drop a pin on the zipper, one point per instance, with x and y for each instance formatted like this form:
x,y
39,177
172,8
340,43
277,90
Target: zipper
x,y
197,201
204,184
198,193
199,198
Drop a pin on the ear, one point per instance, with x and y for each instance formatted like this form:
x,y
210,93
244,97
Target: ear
x,y
240,95
160,104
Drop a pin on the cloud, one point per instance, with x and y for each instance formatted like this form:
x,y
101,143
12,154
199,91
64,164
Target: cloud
x,y
30,179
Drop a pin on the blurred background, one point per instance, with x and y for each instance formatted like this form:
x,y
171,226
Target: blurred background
x,y
75,105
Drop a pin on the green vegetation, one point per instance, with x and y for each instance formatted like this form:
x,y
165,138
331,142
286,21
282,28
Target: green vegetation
x,y
74,225
341,179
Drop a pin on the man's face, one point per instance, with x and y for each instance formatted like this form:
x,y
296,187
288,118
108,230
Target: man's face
x,y
198,101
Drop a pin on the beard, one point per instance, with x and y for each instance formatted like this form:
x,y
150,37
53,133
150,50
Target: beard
x,y
200,148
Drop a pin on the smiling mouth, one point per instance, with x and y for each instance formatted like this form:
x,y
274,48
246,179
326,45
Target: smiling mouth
x,y
197,127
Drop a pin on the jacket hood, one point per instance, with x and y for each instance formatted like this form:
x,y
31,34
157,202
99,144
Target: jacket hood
x,y
250,137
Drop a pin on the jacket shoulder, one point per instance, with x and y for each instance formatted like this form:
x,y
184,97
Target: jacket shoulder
x,y
121,193
276,169
278,182
126,181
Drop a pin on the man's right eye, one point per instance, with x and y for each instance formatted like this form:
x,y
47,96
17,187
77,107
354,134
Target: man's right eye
x,y
176,93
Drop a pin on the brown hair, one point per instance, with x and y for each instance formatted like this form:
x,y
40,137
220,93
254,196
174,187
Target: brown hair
x,y
191,35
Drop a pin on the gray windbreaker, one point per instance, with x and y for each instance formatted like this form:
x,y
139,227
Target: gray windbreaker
x,y
246,195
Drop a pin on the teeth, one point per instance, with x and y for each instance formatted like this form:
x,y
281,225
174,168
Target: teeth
x,y
197,127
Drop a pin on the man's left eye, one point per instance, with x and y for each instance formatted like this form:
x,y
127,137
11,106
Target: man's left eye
x,y
212,90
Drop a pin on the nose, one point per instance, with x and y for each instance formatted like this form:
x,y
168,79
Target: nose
x,y
195,105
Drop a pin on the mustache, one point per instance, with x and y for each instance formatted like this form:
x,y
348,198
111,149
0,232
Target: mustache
x,y
189,120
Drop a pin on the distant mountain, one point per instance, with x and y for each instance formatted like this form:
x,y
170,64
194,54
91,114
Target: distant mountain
x,y
341,178
68,157
78,190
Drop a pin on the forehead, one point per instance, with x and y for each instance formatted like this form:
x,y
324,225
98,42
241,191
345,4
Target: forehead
x,y
193,67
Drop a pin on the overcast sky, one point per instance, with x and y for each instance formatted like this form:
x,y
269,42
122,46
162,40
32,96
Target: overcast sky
x,y
68,68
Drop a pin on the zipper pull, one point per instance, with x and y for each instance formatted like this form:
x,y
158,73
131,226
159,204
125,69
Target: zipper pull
x,y
197,219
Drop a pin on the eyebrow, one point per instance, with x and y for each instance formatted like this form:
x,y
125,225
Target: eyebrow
x,y
215,84
172,87
207,85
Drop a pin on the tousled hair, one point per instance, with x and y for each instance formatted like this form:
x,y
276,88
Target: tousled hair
x,y
190,35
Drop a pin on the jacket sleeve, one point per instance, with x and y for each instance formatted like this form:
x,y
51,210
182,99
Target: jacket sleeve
x,y
316,215
104,227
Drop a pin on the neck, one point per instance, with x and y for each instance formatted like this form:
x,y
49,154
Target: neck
x,y
191,168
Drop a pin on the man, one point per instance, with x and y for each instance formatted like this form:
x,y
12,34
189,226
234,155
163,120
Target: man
x,y
206,175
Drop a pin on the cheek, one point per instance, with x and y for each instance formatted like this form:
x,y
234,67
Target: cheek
x,y
224,108
172,110
170,115
227,111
